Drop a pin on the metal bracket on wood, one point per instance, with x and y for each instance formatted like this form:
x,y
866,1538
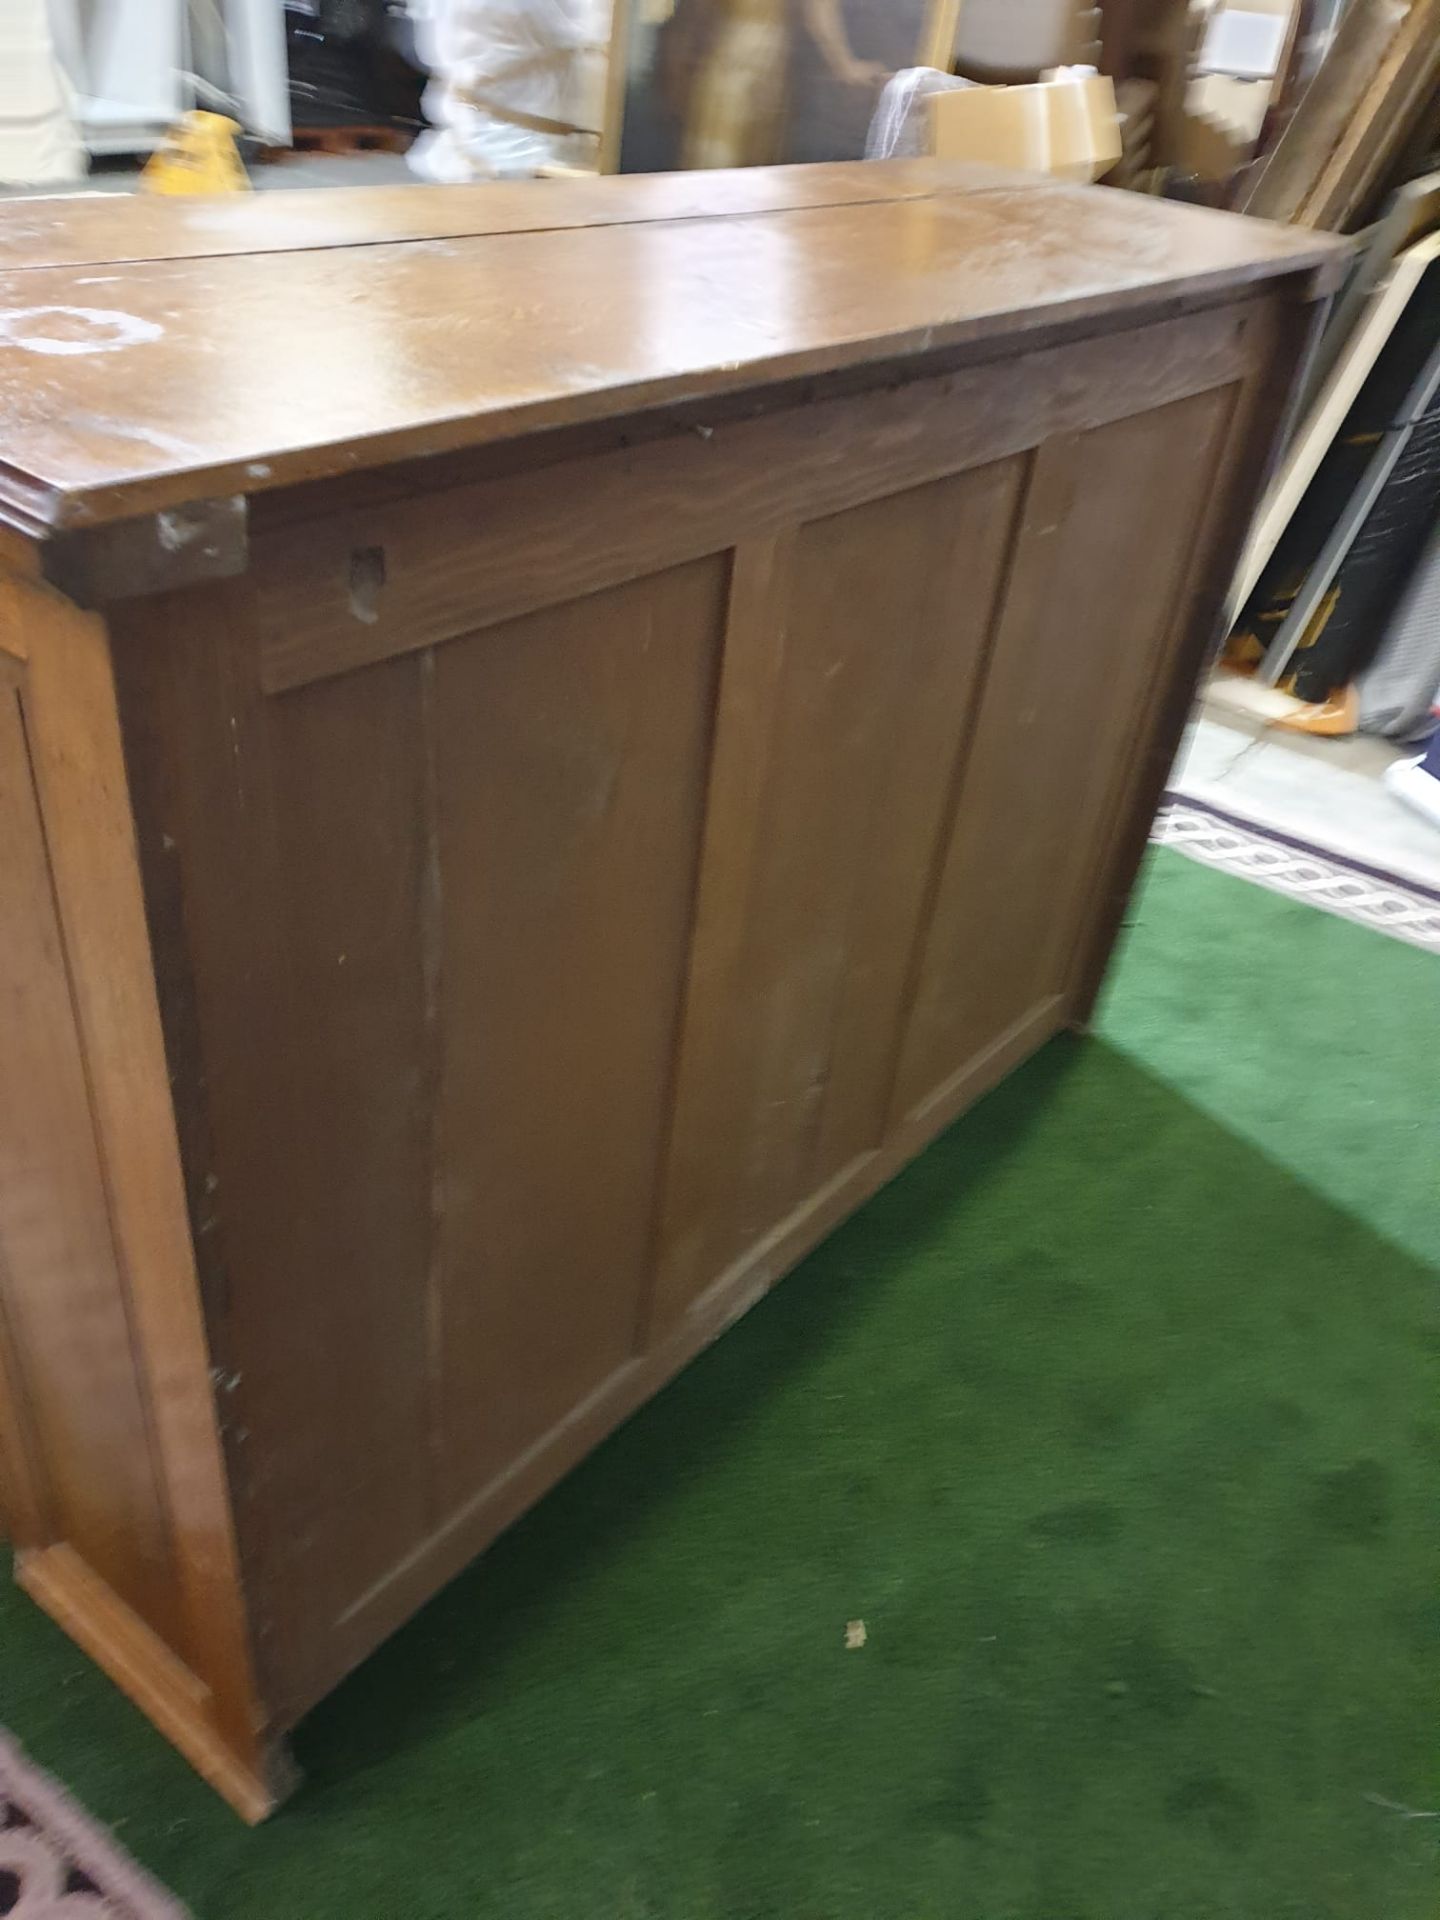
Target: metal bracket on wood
x,y
174,547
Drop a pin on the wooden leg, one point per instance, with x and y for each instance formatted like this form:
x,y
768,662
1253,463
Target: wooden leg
x,y
255,1779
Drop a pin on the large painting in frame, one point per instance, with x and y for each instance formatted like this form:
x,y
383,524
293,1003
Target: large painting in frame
x,y
750,83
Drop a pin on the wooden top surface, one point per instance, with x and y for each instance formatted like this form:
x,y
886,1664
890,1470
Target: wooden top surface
x,y
106,229
438,318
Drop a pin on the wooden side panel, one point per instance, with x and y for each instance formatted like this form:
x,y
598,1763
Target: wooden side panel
x,y
75,1396
1110,521
102,1271
289,839
800,968
572,749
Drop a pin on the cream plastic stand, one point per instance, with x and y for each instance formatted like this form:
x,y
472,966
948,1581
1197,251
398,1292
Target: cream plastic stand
x,y
1066,124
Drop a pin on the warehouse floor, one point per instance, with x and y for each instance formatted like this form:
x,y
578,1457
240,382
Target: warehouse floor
x,y
1329,793
295,170
1057,1541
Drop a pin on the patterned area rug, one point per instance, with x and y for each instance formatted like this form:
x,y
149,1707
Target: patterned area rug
x,y
57,1864
1372,896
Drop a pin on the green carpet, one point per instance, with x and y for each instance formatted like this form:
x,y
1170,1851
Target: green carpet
x,y
1115,1421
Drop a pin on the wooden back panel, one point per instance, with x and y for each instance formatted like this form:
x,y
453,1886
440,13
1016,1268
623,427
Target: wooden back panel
x,y
571,752
1111,520
571,898
877,622
435,915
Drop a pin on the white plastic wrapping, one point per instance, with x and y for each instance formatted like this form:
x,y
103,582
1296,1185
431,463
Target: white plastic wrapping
x,y
901,125
513,81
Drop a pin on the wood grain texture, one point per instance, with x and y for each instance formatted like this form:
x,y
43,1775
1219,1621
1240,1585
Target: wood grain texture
x,y
147,1672
572,750
417,1119
569,890
77,1426
1332,116
152,553
705,1103
1071,663
205,378
1394,104
518,1066
83,231
495,1506
295,837
818,840
26,1502
73,733
507,545
1283,334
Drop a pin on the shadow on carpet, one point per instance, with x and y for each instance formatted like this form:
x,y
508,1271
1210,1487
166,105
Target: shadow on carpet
x,y
1122,1444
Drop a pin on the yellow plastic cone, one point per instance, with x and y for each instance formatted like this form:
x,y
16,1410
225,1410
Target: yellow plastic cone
x,y
198,156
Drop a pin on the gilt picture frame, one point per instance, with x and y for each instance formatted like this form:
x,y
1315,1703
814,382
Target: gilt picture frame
x,y
733,83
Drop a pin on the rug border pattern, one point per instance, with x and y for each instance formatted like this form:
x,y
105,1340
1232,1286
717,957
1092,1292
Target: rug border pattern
x,y
61,1822
1367,895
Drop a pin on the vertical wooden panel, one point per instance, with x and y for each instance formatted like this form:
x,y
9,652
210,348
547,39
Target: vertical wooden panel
x,y
83,791
332,1239
799,974
26,1502
1110,520
969,524
1278,334
64,1303
708,1108
571,763
288,839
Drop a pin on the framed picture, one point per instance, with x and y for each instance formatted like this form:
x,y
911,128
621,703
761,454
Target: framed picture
x,y
747,83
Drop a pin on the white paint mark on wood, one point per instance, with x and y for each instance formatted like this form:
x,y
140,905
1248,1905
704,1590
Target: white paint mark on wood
x,y
67,330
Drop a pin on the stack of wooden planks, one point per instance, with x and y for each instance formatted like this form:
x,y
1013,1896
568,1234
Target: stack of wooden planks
x,y
1371,103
